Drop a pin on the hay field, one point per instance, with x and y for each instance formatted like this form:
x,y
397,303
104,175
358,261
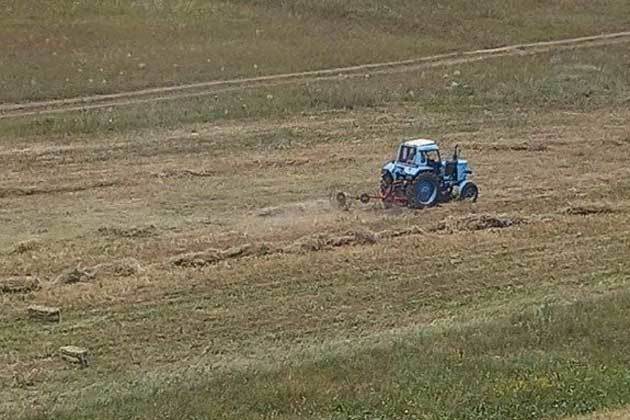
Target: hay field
x,y
194,252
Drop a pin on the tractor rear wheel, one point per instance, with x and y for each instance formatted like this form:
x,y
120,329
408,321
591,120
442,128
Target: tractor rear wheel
x,y
469,192
424,191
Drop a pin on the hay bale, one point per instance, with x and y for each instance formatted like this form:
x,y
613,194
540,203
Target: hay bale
x,y
484,221
75,354
475,222
310,243
237,251
124,267
44,313
212,256
360,237
339,241
197,259
118,268
586,210
22,284
389,234
75,275
365,237
128,232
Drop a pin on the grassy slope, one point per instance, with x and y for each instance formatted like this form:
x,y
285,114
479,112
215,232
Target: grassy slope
x,y
571,80
67,48
554,360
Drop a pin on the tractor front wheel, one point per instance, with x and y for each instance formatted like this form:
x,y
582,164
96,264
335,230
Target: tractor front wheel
x,y
424,191
469,192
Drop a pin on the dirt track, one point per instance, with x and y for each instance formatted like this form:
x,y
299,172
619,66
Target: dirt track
x,y
207,88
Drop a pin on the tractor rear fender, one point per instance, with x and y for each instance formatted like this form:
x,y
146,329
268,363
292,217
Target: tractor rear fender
x,y
416,171
403,171
423,170
463,170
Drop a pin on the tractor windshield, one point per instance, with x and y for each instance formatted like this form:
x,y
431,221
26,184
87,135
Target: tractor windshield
x,y
407,154
431,157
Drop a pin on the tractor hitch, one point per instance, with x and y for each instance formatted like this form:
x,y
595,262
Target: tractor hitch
x,y
387,196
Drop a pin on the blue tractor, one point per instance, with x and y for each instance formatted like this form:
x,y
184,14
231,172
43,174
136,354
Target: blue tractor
x,y
419,178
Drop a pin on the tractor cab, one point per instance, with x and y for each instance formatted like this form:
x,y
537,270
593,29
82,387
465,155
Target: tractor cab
x,y
416,155
419,153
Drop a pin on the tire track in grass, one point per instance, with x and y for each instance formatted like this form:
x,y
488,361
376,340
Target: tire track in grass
x,y
169,93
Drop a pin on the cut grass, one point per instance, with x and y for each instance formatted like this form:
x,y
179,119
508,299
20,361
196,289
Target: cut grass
x,y
318,333
137,326
68,48
546,362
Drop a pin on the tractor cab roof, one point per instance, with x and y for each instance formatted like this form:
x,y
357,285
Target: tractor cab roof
x,y
422,144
